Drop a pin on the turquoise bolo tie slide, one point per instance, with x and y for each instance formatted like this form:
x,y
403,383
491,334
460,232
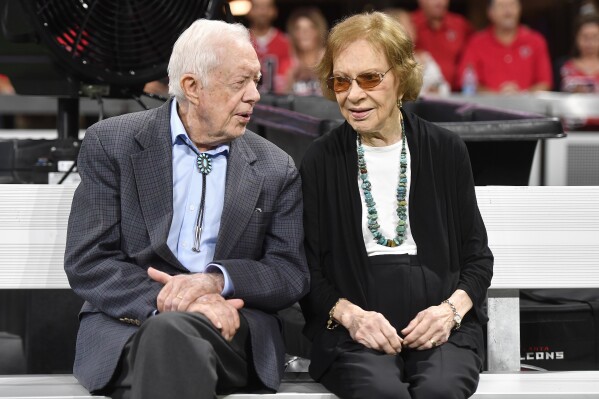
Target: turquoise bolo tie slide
x,y
204,164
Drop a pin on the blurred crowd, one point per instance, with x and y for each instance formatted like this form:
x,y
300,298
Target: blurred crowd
x,y
505,57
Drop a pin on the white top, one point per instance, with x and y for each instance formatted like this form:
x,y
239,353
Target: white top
x,y
382,164
433,81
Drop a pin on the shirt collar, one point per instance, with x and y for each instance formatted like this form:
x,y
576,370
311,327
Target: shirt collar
x,y
179,134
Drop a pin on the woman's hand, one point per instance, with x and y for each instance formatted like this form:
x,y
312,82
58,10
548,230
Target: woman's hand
x,y
370,329
430,328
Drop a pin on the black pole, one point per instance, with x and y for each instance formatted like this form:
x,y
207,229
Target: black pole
x,y
542,172
67,121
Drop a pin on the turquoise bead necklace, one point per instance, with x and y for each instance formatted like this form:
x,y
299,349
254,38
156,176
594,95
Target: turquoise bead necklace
x,y
373,225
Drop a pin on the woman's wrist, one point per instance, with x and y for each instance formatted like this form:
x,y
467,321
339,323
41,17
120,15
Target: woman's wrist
x,y
461,301
333,322
459,304
345,311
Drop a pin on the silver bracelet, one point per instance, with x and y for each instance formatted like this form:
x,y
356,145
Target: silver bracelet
x,y
456,316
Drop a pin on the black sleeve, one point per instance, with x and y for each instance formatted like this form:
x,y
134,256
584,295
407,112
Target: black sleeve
x,y
323,295
476,257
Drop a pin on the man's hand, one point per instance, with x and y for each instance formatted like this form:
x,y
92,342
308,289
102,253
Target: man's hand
x,y
222,313
180,292
371,329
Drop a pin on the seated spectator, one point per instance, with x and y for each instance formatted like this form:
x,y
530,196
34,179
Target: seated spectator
x,y
443,34
507,57
185,235
433,81
581,73
396,247
307,30
272,46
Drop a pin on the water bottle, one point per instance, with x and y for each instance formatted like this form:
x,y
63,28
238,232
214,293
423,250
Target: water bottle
x,y
469,81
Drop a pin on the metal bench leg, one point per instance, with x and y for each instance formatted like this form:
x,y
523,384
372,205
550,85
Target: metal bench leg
x,y
503,332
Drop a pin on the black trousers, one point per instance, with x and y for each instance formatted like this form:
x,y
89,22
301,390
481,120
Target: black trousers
x,y
398,286
182,355
447,371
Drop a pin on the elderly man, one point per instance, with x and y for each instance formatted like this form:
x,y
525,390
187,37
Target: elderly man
x,y
443,34
507,57
185,235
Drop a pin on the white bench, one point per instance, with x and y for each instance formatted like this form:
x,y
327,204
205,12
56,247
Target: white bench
x,y
542,237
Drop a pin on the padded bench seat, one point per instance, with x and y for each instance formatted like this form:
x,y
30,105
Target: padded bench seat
x,y
523,385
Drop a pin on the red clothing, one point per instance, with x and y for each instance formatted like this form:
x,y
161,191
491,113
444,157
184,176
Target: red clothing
x,y
274,49
5,86
445,44
525,61
576,81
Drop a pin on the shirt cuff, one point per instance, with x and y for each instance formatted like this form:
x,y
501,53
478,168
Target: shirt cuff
x,y
228,288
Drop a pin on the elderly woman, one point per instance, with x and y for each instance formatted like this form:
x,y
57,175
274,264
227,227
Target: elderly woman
x,y
395,242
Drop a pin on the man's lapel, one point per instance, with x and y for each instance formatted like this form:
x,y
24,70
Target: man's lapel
x,y
153,169
242,190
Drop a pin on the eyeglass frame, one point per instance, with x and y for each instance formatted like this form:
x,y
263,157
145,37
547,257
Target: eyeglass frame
x,y
331,80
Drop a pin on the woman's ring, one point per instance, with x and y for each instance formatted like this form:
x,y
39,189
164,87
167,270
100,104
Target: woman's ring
x,y
433,343
179,296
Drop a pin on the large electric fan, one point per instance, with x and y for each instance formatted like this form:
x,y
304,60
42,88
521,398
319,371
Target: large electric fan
x,y
121,44
125,43
93,48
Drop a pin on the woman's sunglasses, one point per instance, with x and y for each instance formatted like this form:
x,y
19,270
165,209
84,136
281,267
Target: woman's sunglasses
x,y
367,80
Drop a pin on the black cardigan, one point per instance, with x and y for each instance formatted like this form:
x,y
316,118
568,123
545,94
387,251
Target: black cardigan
x,y
444,220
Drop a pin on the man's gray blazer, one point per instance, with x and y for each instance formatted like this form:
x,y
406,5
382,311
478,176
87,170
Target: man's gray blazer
x,y
120,220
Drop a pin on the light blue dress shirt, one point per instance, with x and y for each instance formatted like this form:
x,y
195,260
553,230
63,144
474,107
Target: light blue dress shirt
x,y
187,194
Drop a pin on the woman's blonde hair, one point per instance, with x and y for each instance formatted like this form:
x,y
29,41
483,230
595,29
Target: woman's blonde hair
x,y
382,32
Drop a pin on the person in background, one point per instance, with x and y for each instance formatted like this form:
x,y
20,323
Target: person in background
x,y
443,34
588,7
158,87
272,46
396,246
185,235
307,29
507,57
5,85
581,73
433,81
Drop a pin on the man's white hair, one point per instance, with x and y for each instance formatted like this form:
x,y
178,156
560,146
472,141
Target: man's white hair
x,y
198,51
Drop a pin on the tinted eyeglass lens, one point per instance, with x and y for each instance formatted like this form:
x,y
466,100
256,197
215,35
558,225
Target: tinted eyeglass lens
x,y
338,83
365,80
368,80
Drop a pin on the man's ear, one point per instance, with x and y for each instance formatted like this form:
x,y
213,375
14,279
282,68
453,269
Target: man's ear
x,y
191,87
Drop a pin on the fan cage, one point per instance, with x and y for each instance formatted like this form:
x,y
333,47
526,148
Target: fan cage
x,y
115,42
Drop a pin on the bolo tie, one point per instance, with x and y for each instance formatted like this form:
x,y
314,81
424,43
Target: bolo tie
x,y
204,164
